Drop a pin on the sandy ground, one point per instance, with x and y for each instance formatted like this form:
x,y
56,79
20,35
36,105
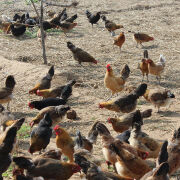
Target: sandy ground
x,y
157,18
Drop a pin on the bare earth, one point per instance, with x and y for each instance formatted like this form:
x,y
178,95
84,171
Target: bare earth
x,y
159,19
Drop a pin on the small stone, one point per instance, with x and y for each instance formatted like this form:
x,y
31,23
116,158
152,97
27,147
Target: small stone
x,y
71,114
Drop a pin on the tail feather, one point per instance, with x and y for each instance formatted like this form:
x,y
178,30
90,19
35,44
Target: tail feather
x,y
146,54
102,129
141,90
125,72
93,133
163,154
51,71
162,59
79,141
10,82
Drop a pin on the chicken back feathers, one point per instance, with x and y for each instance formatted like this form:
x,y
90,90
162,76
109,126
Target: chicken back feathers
x,y
80,55
125,103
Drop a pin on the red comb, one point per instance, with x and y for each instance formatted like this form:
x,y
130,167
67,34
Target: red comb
x,y
108,65
56,127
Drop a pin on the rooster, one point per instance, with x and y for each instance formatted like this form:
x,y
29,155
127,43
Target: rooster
x,y
116,84
93,18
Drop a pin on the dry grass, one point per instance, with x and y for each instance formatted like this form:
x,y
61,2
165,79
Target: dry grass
x,y
156,18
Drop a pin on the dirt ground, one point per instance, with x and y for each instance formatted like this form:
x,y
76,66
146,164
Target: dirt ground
x,y
159,19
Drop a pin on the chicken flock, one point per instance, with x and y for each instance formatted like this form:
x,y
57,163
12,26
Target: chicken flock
x,y
128,153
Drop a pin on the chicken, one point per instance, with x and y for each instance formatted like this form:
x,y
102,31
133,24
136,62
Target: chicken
x,y
48,25
82,142
19,18
51,93
111,26
80,55
6,148
116,84
40,136
60,17
64,142
119,40
31,21
39,35
72,19
126,121
126,103
56,113
17,124
142,141
162,166
128,164
6,92
6,118
93,172
17,30
93,18
141,38
5,27
47,168
173,152
143,65
67,26
156,69
46,103
44,83
159,97
107,139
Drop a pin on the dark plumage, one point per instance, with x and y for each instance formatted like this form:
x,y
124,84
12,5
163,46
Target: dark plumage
x,y
163,154
46,102
60,17
125,103
40,136
124,136
18,31
47,25
67,90
93,18
30,21
6,148
72,18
